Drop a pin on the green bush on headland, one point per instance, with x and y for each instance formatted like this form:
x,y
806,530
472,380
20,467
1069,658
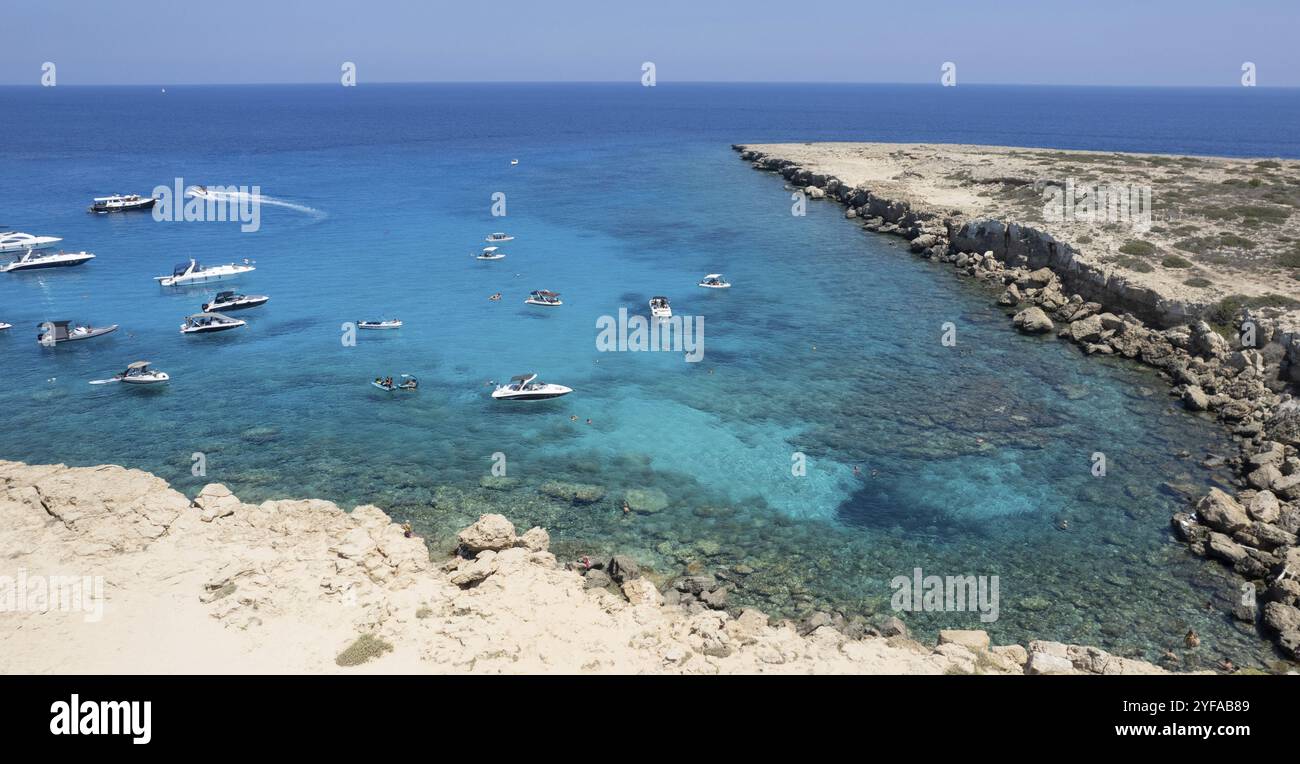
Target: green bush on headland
x,y
1138,247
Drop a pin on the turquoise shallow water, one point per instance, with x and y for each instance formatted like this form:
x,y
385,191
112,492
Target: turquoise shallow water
x,y
972,458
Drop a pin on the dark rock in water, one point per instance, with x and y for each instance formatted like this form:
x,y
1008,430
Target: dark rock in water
x,y
814,622
695,585
716,599
891,626
596,579
622,568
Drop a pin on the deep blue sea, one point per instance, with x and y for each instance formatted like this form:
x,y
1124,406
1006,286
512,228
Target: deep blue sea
x,y
972,460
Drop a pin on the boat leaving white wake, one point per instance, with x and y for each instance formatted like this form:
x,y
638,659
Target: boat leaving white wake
x,y
240,196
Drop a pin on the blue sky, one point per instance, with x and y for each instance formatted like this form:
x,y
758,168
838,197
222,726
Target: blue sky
x,y
1102,42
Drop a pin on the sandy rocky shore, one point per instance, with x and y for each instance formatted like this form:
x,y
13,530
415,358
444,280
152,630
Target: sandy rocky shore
x,y
214,585
979,209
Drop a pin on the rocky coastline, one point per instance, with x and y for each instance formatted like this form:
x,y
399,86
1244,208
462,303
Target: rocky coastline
x,y
1242,373
216,585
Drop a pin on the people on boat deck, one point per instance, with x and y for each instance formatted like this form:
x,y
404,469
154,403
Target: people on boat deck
x,y
496,297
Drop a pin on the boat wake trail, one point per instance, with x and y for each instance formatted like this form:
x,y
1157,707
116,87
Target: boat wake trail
x,y
268,200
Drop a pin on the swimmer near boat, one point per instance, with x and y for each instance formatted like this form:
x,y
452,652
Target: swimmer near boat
x,y
404,382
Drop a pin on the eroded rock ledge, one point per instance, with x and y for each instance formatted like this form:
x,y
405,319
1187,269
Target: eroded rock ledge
x,y
1242,373
217,585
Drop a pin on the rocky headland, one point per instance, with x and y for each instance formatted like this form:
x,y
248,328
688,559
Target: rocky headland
x,y
1222,327
215,585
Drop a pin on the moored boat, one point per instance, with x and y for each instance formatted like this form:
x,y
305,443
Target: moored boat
x,y
659,307
193,272
122,203
714,281
391,323
497,238
544,297
17,241
230,300
525,387
137,373
207,323
54,332
491,253
32,260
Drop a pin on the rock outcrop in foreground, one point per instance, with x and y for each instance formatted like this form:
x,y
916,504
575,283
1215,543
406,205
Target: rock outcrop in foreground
x,y
217,585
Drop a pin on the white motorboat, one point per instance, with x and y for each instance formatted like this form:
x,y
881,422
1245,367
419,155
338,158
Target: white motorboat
x,y
491,253
545,298
137,373
498,238
194,273
514,162
122,203
659,307
54,332
391,323
714,281
524,387
234,301
17,241
31,261
207,323
200,192
4,326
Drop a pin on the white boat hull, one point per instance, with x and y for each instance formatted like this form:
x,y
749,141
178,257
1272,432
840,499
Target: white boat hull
x,y
537,393
145,379
206,277
22,245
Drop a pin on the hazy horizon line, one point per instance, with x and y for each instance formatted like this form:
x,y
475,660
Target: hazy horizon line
x,y
637,83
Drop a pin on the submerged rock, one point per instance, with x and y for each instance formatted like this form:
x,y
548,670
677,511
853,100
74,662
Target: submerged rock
x,y
577,493
646,501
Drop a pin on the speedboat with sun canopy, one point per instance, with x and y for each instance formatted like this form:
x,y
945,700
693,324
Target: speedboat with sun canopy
x,y
525,387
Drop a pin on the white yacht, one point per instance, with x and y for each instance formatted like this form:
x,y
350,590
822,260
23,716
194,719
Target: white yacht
x,y
207,323
4,326
392,323
17,241
137,373
491,253
122,203
524,387
234,301
194,273
31,261
497,238
714,281
544,297
659,307
54,332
